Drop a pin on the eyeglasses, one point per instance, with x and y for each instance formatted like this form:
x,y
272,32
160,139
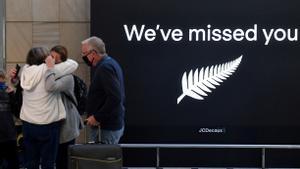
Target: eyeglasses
x,y
88,53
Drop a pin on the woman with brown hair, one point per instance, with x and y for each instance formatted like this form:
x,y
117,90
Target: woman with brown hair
x,y
70,128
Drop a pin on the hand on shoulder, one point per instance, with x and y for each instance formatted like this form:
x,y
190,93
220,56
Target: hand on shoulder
x,y
50,62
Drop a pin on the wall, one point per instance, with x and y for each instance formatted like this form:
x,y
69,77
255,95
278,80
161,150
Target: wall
x,y
31,23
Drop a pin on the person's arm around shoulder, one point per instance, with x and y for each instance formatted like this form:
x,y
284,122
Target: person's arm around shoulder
x,y
52,83
67,67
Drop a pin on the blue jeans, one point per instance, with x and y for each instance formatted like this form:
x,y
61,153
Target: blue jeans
x,y
106,136
41,144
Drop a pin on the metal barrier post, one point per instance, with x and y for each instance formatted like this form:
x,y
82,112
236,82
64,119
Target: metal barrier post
x,y
157,158
263,158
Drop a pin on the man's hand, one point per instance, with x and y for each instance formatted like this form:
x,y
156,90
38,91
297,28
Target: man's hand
x,y
91,121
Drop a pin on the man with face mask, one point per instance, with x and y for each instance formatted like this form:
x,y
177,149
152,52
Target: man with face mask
x,y
106,96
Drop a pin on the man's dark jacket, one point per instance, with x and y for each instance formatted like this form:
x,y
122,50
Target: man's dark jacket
x,y
106,94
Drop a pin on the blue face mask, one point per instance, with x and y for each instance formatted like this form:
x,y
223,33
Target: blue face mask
x,y
3,86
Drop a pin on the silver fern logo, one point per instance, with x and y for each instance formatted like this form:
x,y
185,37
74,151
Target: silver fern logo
x,y
198,83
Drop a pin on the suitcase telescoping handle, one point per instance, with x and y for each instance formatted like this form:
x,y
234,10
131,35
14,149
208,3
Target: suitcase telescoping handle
x,y
88,135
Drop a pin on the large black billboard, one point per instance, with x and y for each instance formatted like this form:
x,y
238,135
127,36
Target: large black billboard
x,y
206,71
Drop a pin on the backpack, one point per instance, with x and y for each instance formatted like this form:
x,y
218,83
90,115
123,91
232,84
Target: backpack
x,y
80,92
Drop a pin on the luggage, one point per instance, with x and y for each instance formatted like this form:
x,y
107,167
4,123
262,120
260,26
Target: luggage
x,y
95,156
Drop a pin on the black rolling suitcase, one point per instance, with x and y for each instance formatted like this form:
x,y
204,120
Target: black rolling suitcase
x,y
95,156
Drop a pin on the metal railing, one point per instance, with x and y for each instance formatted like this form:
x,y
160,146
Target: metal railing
x,y
217,146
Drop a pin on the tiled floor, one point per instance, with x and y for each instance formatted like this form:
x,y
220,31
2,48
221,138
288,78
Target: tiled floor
x,y
198,168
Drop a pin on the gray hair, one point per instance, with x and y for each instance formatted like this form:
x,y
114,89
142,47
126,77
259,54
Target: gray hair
x,y
37,55
96,44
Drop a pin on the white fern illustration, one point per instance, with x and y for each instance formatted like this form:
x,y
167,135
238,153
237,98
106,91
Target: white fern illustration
x,y
198,83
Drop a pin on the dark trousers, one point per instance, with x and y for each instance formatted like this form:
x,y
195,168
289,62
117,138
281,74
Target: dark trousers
x,y
8,155
41,144
62,156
